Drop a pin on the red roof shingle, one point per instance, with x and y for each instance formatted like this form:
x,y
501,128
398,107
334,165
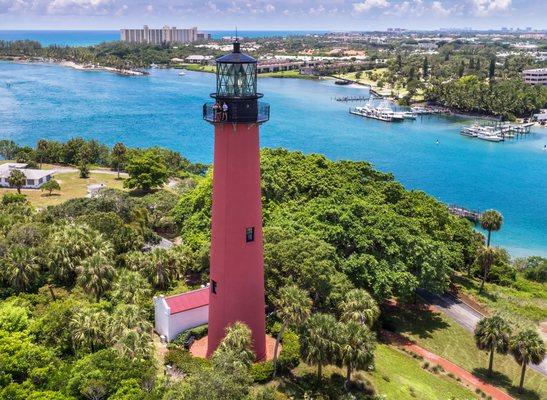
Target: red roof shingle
x,y
188,301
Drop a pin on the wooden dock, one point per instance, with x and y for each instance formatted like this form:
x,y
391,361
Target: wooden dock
x,y
472,215
346,99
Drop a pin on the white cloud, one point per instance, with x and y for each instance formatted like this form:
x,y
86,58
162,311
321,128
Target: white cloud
x,y
270,7
369,4
438,8
487,7
87,7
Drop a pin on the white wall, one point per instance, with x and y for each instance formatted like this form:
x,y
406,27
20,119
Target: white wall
x,y
186,320
171,325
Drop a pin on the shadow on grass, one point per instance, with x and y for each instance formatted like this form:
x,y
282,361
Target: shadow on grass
x,y
307,386
503,381
417,320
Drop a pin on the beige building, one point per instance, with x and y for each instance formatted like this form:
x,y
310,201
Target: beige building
x,y
535,76
167,34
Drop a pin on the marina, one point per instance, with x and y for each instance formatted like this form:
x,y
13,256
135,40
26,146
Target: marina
x,y
496,131
381,112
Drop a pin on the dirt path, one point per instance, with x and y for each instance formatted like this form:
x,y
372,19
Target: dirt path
x,y
401,341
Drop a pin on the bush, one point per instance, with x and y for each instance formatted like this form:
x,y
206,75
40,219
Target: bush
x,y
184,362
197,333
11,198
262,372
289,357
535,269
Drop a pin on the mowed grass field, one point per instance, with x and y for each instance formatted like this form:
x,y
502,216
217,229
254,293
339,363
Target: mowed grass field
x,y
396,375
72,186
399,376
444,337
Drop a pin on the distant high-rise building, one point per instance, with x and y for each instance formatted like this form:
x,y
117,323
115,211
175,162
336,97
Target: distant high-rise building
x,y
165,35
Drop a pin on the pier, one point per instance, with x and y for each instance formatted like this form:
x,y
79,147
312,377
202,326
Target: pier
x,y
472,215
352,98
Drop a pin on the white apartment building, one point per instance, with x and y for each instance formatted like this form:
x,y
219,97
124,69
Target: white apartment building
x,y
535,76
167,34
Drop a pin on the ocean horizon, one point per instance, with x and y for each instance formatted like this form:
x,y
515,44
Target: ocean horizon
x,y
76,38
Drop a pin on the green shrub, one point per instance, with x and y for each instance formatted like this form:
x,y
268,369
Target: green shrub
x,y
183,361
262,372
198,332
289,357
10,198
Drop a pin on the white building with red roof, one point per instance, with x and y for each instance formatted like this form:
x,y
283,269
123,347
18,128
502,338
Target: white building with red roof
x,y
175,314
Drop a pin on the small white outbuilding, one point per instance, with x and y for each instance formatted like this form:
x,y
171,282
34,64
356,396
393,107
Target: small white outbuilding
x,y
175,314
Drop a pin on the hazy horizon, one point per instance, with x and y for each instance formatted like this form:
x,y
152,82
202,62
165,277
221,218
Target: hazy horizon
x,y
282,15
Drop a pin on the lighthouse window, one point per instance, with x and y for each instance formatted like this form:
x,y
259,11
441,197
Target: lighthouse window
x,y
250,234
214,286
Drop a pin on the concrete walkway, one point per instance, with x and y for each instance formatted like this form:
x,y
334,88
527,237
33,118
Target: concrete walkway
x,y
465,315
465,376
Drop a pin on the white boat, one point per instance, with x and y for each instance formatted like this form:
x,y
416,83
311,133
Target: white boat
x,y
486,133
469,131
182,73
409,115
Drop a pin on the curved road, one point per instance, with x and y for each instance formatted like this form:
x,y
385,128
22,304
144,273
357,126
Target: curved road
x,y
464,315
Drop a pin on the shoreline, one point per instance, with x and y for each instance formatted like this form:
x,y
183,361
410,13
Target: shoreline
x,y
74,65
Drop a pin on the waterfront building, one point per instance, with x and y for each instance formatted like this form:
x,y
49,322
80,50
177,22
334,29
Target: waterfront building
x,y
198,59
167,34
237,264
536,76
35,178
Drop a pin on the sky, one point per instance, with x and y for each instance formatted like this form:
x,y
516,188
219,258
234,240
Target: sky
x,y
336,15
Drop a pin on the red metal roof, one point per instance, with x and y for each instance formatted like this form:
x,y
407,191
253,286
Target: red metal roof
x,y
188,301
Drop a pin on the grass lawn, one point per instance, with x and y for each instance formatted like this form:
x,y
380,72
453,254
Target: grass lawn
x,y
199,67
294,73
397,376
442,336
72,186
524,303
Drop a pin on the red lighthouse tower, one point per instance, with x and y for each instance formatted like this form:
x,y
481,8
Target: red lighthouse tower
x,y
237,266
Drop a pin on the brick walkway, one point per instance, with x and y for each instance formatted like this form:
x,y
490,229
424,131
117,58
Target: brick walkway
x,y
401,341
199,347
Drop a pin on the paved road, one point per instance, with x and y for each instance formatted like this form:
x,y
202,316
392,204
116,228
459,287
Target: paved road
x,y
464,315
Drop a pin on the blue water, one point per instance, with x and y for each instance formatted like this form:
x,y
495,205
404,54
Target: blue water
x,y
88,38
164,109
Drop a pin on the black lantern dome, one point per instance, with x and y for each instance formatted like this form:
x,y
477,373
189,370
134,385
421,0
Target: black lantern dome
x,y
236,90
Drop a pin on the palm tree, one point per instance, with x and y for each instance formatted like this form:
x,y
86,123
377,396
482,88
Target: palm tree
x,y
128,317
318,346
88,328
118,154
130,288
134,345
95,275
41,150
69,246
527,347
356,347
486,256
293,307
359,306
491,221
235,350
492,334
17,179
21,268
